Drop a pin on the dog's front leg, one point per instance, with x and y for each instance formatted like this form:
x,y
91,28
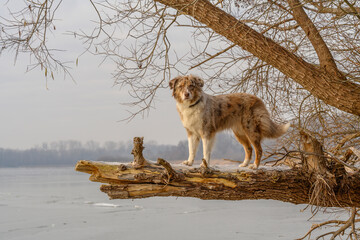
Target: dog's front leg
x,y
208,143
193,143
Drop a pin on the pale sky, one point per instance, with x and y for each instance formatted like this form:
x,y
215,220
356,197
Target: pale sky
x,y
89,109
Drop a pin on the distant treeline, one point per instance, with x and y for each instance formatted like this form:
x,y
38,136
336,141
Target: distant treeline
x,y
67,153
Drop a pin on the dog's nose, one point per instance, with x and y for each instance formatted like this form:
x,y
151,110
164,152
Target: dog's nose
x,y
187,94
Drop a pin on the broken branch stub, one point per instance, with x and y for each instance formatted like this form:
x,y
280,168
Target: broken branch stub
x,y
172,175
139,160
314,161
328,178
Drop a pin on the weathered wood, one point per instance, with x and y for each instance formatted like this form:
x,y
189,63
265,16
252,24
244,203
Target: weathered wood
x,y
314,162
355,151
139,159
313,183
283,184
325,176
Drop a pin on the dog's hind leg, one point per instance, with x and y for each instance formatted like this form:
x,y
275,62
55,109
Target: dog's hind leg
x,y
258,154
193,143
255,139
208,143
244,141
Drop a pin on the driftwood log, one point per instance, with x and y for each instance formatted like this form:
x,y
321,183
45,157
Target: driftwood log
x,y
316,183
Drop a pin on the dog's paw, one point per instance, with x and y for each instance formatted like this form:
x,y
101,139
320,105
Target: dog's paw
x,y
187,163
243,164
253,166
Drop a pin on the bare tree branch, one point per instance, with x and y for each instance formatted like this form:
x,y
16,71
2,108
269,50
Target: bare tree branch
x,y
322,50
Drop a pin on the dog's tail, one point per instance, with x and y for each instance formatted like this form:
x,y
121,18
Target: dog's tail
x,y
270,129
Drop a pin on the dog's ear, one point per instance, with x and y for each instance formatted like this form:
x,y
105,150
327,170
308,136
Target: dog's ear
x,y
173,82
198,81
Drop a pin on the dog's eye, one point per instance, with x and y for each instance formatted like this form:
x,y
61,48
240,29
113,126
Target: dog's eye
x,y
191,87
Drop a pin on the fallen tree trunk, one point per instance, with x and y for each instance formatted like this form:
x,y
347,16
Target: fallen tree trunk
x,y
124,181
155,180
283,184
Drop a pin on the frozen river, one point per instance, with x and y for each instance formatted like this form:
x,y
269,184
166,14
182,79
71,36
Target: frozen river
x,y
59,203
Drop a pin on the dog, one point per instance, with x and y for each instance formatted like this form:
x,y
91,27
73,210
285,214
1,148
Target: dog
x,y
204,115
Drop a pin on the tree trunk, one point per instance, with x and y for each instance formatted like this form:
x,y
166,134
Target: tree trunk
x,y
332,88
315,183
287,185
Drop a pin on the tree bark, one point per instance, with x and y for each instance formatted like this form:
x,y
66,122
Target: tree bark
x,y
137,150
314,183
287,185
332,88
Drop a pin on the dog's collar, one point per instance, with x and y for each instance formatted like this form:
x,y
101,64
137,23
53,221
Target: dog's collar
x,y
194,104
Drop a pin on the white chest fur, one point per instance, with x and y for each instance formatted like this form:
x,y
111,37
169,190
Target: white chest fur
x,y
192,117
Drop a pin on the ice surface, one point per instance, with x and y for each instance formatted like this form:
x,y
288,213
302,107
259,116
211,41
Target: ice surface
x,y
59,203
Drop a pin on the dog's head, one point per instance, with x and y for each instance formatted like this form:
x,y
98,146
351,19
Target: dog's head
x,y
186,88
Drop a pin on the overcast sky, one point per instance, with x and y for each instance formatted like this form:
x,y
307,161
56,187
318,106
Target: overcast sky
x,y
89,109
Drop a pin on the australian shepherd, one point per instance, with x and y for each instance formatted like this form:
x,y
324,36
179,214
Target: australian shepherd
x,y
204,115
